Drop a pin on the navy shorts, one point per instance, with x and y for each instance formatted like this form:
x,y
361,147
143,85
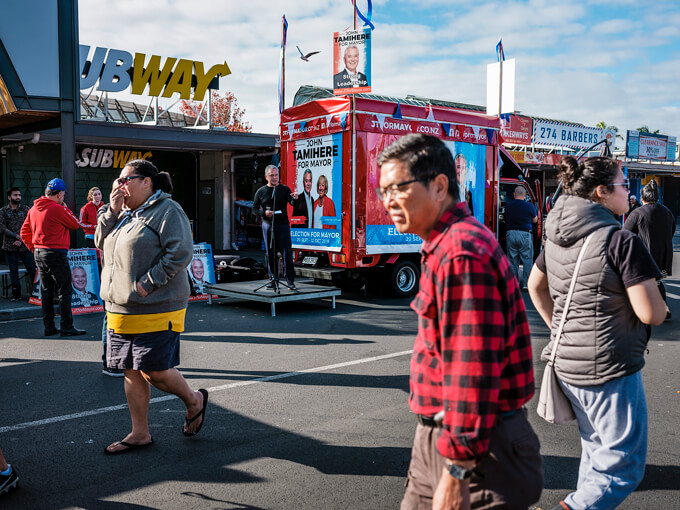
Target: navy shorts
x,y
151,352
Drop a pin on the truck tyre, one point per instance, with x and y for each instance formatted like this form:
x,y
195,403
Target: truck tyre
x,y
403,278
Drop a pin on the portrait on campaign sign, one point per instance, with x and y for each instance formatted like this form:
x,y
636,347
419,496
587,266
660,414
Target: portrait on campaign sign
x,y
381,235
314,171
85,283
201,271
470,162
352,62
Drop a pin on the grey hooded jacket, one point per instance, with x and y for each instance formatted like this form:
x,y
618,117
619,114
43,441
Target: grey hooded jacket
x,y
602,337
153,246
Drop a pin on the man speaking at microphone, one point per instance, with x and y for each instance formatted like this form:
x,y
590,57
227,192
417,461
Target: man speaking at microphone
x,y
270,203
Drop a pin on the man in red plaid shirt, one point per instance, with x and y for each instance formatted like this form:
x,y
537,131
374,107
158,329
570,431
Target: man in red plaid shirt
x,y
471,370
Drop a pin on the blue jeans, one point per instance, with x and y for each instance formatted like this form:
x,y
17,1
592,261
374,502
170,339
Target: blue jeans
x,y
520,247
612,421
13,266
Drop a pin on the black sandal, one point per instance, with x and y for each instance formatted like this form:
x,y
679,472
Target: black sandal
x,y
128,447
189,421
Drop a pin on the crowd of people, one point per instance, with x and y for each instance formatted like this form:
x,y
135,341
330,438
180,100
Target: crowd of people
x,y
471,372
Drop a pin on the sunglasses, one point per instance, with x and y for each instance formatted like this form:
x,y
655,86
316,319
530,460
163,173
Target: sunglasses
x,y
625,184
124,180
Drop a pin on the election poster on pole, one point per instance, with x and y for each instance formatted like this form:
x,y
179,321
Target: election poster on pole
x,y
352,62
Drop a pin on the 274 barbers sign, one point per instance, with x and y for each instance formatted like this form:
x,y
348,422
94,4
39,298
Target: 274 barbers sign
x,y
566,135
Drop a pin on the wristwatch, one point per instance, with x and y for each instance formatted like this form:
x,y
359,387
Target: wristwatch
x,y
458,472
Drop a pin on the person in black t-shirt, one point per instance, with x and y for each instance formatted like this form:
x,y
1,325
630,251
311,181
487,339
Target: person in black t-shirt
x,y
270,203
654,223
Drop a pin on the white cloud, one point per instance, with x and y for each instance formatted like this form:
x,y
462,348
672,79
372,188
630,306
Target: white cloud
x,y
571,65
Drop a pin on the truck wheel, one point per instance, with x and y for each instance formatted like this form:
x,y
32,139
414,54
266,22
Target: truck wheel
x,y
403,278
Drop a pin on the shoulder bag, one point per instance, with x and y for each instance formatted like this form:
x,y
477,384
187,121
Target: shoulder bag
x,y
553,405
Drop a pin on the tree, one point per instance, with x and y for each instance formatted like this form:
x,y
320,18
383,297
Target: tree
x,y
603,125
645,129
225,112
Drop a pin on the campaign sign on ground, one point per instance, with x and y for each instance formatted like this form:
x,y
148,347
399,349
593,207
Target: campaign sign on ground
x,y
352,62
314,170
381,235
201,271
84,282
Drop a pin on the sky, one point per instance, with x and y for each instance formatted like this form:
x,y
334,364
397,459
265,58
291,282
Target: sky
x,y
576,60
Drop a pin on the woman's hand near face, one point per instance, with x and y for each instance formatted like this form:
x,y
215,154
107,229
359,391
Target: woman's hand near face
x,y
117,198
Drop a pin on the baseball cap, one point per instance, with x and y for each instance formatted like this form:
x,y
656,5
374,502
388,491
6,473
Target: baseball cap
x,y
56,184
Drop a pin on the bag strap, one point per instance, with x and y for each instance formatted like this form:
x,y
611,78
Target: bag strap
x,y
558,335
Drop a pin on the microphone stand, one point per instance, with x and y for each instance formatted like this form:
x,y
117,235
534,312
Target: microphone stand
x,y
272,252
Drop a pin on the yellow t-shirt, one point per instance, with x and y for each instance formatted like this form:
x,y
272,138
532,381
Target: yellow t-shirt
x,y
146,323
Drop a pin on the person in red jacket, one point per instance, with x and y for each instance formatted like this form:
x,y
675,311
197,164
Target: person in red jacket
x,y
88,215
46,233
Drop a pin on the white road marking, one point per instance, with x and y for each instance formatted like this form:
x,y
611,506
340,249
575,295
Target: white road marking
x,y
670,295
120,407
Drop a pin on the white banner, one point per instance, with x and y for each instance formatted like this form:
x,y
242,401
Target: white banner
x,y
493,84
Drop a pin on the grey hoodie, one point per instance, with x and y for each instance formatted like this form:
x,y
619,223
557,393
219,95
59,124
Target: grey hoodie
x,y
153,246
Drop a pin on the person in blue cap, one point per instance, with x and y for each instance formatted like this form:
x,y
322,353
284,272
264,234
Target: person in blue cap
x,y
46,233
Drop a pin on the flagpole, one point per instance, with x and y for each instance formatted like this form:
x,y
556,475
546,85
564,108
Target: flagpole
x,y
283,63
500,86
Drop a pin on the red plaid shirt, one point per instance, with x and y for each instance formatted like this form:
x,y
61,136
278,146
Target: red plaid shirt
x,y
472,355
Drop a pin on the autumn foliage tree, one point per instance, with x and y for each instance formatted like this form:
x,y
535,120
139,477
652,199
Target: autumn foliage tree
x,y
225,112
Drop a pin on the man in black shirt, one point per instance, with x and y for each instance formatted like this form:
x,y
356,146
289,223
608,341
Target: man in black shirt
x,y
519,219
270,203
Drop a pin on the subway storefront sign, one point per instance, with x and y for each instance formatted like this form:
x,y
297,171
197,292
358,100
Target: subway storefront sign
x,y
98,157
116,70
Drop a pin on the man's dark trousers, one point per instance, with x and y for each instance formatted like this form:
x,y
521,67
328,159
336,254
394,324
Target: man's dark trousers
x,y
13,265
55,277
282,244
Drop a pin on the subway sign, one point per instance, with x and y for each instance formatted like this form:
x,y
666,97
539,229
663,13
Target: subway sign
x,y
98,157
116,70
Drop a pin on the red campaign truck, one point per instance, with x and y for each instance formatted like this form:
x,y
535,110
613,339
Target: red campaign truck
x,y
330,146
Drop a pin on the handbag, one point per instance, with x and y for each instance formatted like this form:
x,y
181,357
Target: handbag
x,y
553,404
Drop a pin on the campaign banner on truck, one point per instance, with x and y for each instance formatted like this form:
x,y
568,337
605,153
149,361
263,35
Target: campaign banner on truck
x,y
201,271
352,62
85,283
379,123
641,145
381,234
557,134
326,125
314,170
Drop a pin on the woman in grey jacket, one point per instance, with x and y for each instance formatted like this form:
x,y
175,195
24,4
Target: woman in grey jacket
x,y
147,245
601,351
